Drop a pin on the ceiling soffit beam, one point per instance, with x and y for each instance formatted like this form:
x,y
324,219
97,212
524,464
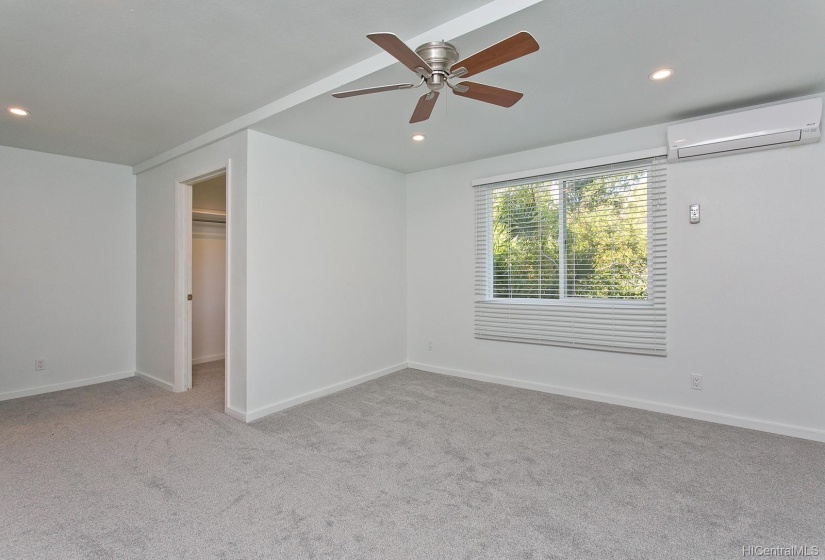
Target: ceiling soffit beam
x,y
476,19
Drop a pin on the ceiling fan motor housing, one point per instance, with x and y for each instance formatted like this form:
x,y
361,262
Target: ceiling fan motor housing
x,y
440,56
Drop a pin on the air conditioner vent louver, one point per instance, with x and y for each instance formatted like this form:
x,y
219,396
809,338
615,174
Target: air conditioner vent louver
x,y
750,130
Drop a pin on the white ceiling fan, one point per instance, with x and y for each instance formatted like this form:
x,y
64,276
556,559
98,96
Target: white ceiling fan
x,y
437,63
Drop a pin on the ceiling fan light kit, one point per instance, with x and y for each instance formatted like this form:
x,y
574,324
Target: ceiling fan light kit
x,y
437,62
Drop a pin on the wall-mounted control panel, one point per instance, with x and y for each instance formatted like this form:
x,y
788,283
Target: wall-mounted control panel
x,y
694,213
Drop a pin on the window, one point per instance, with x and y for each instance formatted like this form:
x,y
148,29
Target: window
x,y
574,258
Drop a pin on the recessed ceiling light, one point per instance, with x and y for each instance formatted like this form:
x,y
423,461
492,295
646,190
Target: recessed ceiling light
x,y
18,111
662,74
418,137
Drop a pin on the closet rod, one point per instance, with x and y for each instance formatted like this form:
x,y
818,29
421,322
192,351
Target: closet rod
x,y
210,216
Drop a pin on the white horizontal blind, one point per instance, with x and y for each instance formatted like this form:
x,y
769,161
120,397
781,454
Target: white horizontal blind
x,y
575,258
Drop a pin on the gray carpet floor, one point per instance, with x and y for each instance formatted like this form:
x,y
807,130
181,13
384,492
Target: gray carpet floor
x,y
412,465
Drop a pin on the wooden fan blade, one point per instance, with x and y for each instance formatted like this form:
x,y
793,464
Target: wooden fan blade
x,y
364,91
514,47
424,108
490,94
396,47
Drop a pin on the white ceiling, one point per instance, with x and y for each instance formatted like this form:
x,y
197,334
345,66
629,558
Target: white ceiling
x,y
589,78
108,83
124,80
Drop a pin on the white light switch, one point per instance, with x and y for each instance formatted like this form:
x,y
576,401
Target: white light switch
x,y
694,213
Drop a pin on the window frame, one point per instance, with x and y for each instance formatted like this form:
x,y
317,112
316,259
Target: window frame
x,y
654,303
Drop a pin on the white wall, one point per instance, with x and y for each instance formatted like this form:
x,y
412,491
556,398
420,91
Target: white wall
x,y
350,268
746,307
67,271
156,262
327,272
208,289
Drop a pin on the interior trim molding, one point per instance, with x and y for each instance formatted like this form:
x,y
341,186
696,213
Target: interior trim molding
x,y
155,381
259,413
236,414
63,386
205,359
663,408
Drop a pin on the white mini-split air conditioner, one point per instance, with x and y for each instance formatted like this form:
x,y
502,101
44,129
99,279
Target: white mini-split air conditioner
x,y
746,131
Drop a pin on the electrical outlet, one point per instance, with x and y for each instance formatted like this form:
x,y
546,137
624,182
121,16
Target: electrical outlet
x,y
39,364
696,381
430,344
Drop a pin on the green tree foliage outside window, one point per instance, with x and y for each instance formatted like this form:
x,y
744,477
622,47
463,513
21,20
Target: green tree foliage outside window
x,y
604,246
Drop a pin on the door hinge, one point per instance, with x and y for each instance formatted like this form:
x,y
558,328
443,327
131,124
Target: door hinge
x,y
189,297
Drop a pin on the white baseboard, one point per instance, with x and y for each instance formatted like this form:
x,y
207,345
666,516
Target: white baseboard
x,y
674,410
205,359
63,386
288,403
155,381
236,414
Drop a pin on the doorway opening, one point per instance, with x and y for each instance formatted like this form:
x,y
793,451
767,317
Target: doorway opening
x,y
202,341
208,280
